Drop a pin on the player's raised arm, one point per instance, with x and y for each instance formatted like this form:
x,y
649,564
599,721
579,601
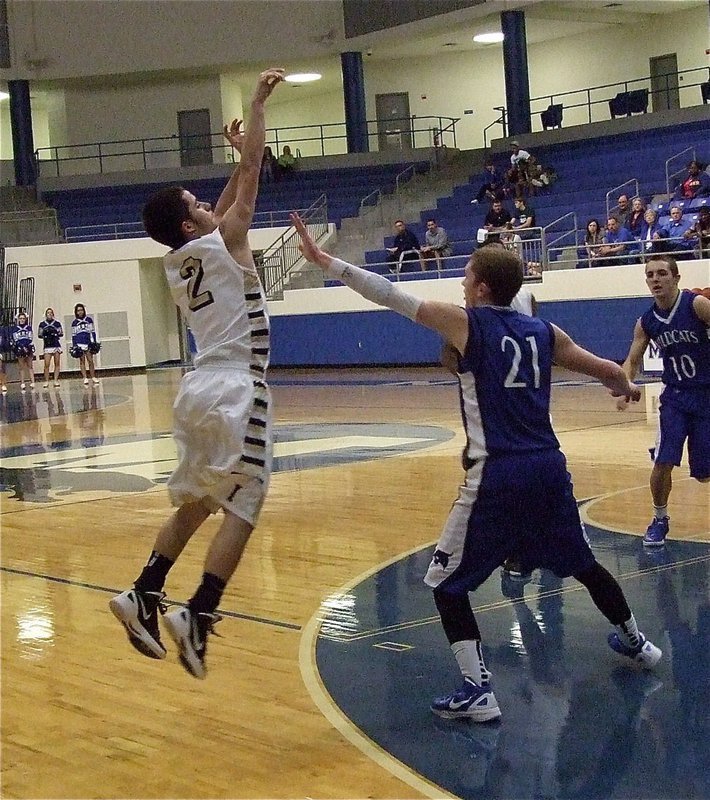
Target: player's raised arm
x,y
634,358
237,219
449,320
235,136
570,355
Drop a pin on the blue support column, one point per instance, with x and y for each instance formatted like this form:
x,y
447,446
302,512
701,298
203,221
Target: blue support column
x,y
354,99
21,125
515,64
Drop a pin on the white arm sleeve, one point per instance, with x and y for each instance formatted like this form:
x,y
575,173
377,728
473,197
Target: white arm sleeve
x,y
375,288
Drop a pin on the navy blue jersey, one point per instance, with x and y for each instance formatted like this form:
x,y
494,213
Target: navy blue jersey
x,y
683,341
504,377
51,332
82,331
21,336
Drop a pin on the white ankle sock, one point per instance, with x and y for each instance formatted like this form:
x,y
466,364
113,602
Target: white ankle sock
x,y
629,632
659,512
469,657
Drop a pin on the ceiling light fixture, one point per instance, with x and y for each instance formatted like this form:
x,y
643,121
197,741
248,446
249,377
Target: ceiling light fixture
x,y
303,77
489,38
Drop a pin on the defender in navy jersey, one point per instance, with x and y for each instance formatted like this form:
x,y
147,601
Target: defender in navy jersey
x,y
517,496
84,343
222,414
678,323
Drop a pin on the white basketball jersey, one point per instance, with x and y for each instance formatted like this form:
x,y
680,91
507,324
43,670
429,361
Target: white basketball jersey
x,y
522,302
222,303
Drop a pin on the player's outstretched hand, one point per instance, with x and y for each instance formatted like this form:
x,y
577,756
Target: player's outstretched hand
x,y
631,394
268,79
307,246
234,135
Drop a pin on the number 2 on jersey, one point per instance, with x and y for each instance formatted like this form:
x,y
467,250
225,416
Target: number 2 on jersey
x,y
191,271
511,380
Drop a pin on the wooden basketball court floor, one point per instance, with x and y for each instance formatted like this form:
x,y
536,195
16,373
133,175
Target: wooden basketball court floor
x,y
330,651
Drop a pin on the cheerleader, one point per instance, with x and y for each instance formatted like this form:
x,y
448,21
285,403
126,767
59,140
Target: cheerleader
x,y
21,343
83,343
50,331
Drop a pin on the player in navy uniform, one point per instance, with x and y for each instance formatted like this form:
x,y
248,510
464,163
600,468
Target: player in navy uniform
x,y
21,342
84,343
678,323
517,497
222,414
50,331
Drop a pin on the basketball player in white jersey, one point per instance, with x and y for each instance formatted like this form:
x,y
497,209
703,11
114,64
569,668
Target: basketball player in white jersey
x,y
222,413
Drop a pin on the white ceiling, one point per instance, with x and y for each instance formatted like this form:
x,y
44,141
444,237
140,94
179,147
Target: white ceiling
x,y
544,20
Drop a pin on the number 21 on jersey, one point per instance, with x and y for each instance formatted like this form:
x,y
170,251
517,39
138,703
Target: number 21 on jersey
x,y
513,378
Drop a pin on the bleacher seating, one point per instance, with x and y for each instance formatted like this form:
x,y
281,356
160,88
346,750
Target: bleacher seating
x,y
627,103
551,117
586,171
344,188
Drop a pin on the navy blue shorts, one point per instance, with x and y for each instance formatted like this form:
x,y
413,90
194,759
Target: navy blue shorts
x,y
684,414
519,505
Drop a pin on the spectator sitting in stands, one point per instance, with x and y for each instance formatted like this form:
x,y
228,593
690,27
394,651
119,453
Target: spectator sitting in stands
x,y
593,240
436,244
650,235
406,248
695,184
519,162
287,161
616,245
525,214
634,222
497,218
702,230
540,176
623,209
491,186
681,235
269,166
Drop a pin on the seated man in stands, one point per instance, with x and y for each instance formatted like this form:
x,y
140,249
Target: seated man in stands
x,y
681,236
524,215
617,243
436,244
497,218
406,248
491,184
695,184
623,208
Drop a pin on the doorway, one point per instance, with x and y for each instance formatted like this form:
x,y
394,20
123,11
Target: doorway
x,y
664,82
394,123
195,137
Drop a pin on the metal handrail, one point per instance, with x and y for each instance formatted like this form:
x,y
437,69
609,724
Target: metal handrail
x,y
623,259
550,243
556,98
669,175
283,255
502,120
149,152
630,182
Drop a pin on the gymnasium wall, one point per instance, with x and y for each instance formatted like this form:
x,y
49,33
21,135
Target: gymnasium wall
x,y
324,326
597,307
119,282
